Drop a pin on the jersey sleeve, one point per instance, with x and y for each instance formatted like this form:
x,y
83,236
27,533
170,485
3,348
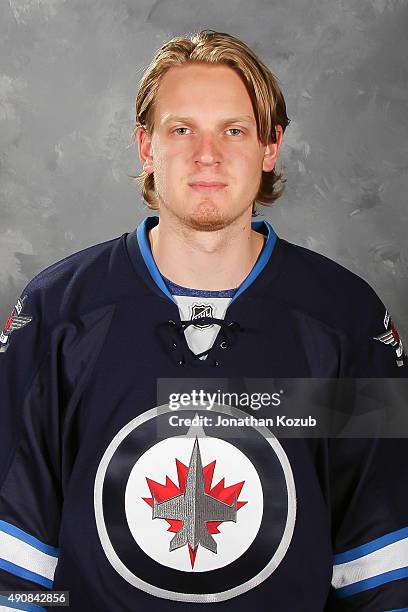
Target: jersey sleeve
x,y
373,347
369,501
369,484
30,458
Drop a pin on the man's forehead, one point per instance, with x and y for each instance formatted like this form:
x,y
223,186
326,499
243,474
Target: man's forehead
x,y
188,92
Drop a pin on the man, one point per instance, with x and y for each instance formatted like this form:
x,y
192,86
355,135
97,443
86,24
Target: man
x,y
95,497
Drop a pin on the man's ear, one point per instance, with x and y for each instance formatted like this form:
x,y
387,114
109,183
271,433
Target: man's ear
x,y
272,150
144,145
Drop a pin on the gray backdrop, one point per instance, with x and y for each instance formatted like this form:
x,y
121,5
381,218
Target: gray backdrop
x,y
68,78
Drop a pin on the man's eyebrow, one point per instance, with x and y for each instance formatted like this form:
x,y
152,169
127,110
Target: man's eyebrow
x,y
176,118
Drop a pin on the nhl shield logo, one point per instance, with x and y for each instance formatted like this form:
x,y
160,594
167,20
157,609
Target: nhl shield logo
x,y
199,311
189,517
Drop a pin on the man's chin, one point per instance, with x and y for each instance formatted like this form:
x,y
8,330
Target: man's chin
x,y
205,223
207,218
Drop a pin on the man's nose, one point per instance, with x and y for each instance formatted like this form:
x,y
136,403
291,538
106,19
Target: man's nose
x,y
208,149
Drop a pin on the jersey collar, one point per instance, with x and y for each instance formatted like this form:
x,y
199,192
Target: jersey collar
x,y
141,235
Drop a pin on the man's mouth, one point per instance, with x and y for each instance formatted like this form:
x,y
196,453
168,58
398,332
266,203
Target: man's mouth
x,y
209,186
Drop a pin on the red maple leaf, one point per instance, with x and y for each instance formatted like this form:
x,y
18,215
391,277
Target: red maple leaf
x,y
162,492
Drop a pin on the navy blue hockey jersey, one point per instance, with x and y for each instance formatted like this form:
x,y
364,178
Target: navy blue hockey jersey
x,y
93,500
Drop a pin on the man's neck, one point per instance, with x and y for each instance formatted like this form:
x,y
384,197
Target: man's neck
x,y
215,260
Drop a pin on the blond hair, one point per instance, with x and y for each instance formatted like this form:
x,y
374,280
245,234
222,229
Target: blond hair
x,y
211,47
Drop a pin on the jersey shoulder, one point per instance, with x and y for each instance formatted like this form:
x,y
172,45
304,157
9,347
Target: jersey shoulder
x,y
326,299
325,290
75,265
89,277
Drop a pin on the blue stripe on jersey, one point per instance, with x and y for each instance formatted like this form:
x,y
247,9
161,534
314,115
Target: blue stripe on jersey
x,y
365,549
29,539
24,607
399,610
371,583
144,246
263,258
17,570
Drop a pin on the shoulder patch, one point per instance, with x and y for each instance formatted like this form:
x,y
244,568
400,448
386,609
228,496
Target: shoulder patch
x,y
391,336
15,320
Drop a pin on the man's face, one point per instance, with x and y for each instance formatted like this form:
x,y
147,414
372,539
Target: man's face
x,y
205,132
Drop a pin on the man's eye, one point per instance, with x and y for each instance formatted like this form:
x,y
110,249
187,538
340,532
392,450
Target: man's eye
x,y
235,130
180,128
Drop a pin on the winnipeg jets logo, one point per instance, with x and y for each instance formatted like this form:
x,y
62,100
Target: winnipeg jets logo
x,y
200,311
14,321
194,510
191,517
390,336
